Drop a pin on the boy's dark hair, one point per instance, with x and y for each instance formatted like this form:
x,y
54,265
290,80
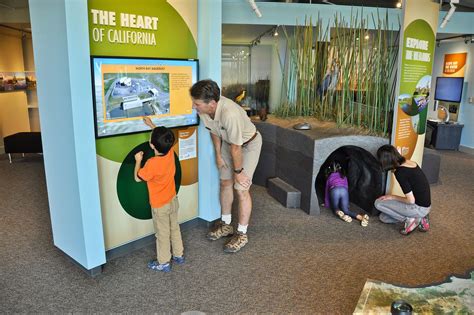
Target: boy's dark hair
x,y
389,157
162,139
205,90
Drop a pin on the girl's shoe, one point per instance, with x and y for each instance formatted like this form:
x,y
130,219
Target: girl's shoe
x,y
343,217
365,220
154,265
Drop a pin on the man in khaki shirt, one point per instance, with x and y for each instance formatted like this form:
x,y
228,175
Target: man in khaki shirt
x,y
237,144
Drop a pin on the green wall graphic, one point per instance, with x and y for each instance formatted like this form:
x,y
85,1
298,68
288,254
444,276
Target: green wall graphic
x,y
415,84
416,74
133,196
110,36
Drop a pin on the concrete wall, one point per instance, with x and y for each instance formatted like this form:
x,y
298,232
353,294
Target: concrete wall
x,y
209,54
66,111
296,158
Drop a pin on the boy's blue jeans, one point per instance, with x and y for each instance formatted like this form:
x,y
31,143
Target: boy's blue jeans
x,y
339,197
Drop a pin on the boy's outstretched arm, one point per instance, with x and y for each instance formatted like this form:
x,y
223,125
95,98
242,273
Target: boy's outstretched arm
x,y
138,161
148,122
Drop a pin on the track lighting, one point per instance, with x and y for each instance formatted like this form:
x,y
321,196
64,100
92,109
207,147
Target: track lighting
x,y
270,32
255,9
449,14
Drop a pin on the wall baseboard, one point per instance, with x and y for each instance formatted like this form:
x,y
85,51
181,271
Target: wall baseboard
x,y
149,240
466,149
91,272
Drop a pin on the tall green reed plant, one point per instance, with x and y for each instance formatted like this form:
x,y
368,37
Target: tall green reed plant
x,y
344,73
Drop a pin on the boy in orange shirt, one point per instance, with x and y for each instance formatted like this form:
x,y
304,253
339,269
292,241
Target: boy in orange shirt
x,y
158,173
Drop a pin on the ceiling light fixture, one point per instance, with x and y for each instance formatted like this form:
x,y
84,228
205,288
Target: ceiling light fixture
x,y
449,14
399,4
255,9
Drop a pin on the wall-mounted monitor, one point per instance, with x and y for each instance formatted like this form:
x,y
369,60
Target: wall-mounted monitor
x,y
126,89
449,89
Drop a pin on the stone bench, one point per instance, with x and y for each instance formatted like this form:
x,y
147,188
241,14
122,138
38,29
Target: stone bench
x,y
286,194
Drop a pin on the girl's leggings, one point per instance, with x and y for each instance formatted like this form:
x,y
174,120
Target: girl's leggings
x,y
339,197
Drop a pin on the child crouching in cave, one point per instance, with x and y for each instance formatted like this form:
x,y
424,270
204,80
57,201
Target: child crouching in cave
x,y
336,195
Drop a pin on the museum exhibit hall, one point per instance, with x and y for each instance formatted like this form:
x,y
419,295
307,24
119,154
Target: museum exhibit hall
x,y
237,156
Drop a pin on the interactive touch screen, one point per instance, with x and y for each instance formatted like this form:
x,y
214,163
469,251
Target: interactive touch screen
x,y
449,89
126,89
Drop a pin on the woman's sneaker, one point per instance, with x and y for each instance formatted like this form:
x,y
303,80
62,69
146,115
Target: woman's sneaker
x,y
424,225
154,265
410,225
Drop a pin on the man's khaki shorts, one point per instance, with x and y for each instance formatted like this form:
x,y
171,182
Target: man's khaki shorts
x,y
250,156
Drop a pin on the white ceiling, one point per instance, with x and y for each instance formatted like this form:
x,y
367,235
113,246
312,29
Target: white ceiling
x,y
244,34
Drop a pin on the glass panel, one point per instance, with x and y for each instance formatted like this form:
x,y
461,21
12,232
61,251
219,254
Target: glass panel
x,y
236,72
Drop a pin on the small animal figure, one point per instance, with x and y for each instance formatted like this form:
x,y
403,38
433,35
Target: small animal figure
x,y
239,98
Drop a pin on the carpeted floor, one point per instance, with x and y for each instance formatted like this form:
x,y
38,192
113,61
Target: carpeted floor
x,y
294,263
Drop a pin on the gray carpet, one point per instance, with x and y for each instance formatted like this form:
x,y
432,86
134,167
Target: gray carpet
x,y
294,263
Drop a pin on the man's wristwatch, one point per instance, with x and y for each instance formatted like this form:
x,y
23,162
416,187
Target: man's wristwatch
x,y
238,171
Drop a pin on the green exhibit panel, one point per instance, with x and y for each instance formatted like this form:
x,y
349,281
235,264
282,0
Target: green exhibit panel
x,y
139,68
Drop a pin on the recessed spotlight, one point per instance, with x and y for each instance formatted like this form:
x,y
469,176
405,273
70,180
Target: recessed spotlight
x,y
399,4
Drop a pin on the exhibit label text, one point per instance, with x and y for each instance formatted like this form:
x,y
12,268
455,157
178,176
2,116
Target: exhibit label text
x,y
419,45
143,25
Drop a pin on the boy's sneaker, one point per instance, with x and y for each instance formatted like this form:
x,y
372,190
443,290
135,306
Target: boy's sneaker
x,y
179,260
219,230
237,241
424,225
154,265
410,225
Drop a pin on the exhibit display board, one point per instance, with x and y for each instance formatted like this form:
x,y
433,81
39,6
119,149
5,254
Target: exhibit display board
x,y
143,64
417,45
126,89
454,64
